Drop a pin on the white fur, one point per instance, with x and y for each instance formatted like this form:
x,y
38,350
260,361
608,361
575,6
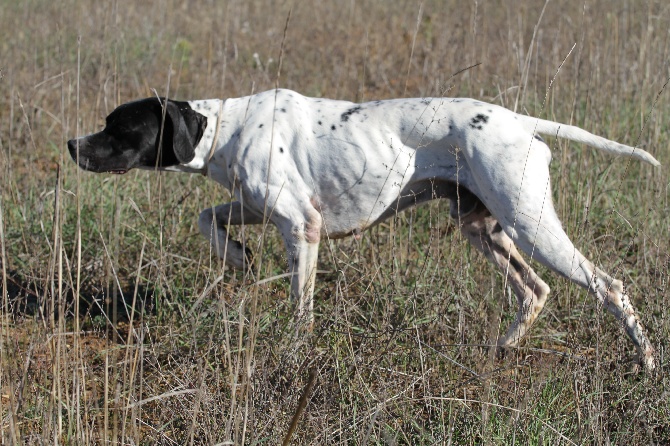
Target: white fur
x,y
323,168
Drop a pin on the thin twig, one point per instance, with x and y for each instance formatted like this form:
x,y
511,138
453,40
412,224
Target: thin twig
x,y
411,52
302,403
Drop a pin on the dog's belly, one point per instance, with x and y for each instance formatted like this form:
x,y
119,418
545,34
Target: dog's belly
x,y
360,193
341,220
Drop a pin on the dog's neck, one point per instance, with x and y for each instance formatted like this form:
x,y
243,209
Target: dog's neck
x,y
212,110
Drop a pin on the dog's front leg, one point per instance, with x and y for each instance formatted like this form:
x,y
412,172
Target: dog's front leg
x,y
212,224
302,248
302,265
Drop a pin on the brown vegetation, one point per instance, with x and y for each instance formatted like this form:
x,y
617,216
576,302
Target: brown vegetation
x,y
120,326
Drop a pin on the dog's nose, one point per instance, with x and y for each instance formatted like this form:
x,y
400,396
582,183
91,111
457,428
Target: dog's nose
x,y
72,147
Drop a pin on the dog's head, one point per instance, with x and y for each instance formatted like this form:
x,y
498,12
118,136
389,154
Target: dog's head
x,y
132,137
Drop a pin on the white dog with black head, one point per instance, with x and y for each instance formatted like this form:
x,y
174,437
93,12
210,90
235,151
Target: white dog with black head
x,y
320,168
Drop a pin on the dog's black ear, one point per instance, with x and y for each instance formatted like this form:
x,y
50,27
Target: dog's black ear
x,y
187,129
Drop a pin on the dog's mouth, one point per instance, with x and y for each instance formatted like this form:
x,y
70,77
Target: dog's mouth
x,y
117,171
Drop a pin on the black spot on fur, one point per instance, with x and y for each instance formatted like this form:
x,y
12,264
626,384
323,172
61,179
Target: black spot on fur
x,y
320,122
478,121
281,150
260,126
353,110
332,127
283,110
539,138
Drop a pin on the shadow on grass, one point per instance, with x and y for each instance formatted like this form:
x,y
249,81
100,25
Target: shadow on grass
x,y
33,299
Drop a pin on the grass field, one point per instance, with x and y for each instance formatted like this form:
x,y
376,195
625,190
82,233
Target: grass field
x,y
119,326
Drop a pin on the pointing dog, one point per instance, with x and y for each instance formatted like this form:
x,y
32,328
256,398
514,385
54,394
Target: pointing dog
x,y
320,168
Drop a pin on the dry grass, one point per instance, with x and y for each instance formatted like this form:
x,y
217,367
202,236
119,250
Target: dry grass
x,y
165,346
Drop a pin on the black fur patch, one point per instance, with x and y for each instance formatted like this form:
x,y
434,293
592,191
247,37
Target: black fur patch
x,y
353,110
132,133
478,121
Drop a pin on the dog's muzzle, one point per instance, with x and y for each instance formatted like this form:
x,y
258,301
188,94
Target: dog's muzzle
x,y
85,161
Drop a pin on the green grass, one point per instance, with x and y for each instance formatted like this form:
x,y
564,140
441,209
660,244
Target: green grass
x,y
166,346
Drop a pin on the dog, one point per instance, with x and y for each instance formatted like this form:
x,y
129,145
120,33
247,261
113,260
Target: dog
x,y
321,168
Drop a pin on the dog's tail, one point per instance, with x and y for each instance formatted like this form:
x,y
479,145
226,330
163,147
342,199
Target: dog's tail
x,y
579,135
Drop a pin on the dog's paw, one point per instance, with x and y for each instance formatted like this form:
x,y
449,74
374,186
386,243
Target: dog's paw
x,y
647,361
501,352
235,255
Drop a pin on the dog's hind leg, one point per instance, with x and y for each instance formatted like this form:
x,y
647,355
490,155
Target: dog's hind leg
x,y
212,224
522,205
482,230
546,242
